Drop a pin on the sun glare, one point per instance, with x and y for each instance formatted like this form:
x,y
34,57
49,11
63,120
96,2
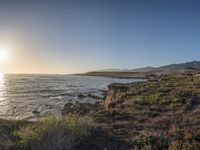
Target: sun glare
x,y
4,55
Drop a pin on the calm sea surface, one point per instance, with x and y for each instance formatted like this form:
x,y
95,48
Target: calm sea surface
x,y
22,95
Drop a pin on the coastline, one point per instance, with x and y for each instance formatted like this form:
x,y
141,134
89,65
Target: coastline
x,y
137,113
120,75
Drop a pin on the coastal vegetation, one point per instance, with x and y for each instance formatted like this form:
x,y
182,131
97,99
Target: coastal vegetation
x,y
153,115
52,133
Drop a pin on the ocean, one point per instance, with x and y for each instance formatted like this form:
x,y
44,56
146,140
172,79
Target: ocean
x,y
26,96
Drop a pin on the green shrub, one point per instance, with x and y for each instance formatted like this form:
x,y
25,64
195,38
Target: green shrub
x,y
185,138
176,139
56,133
150,142
193,101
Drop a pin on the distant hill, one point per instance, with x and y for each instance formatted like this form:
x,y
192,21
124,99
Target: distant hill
x,y
194,65
142,72
145,69
111,70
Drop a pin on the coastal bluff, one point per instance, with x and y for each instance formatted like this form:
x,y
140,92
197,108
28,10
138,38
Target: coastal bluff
x,y
115,93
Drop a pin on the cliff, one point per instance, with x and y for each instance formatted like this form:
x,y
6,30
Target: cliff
x,y
116,93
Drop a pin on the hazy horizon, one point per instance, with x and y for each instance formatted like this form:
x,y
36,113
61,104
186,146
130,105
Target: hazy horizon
x,y
66,37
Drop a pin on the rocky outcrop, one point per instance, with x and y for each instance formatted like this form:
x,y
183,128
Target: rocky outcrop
x,y
116,93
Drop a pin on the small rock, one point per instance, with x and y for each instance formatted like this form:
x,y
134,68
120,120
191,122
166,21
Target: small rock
x,y
35,112
81,96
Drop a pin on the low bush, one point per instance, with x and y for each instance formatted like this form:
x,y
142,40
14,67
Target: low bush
x,y
150,143
185,138
56,134
193,101
176,139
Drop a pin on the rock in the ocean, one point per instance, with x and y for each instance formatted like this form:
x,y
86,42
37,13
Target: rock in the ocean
x,y
36,112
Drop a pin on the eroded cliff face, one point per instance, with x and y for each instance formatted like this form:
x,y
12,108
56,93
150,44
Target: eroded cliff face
x,y
116,93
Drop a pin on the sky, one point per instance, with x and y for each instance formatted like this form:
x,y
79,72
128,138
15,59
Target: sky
x,y
75,36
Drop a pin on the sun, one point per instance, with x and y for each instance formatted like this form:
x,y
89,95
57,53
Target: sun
x,y
4,55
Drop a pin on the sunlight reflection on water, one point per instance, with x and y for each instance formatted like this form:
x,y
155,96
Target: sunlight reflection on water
x,y
3,101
